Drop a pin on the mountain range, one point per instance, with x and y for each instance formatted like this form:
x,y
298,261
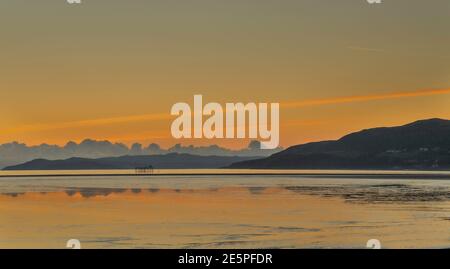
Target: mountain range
x,y
421,145
163,161
16,153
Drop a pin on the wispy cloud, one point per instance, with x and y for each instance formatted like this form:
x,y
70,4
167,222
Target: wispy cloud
x,y
87,123
363,98
167,116
365,49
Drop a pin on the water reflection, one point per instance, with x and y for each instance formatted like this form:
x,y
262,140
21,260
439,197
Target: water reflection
x,y
238,214
256,190
387,193
377,193
13,194
93,192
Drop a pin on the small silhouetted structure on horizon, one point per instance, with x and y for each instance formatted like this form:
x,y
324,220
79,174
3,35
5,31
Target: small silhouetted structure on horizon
x,y
144,170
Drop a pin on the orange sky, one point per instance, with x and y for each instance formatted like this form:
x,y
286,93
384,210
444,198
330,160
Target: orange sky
x,y
113,69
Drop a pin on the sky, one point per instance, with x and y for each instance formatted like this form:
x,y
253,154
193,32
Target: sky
x,y
112,69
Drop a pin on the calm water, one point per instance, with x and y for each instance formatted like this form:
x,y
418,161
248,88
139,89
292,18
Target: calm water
x,y
318,210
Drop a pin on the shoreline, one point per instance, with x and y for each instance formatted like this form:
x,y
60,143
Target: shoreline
x,y
419,176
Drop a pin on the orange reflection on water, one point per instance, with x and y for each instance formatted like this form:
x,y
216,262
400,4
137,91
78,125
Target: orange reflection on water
x,y
228,217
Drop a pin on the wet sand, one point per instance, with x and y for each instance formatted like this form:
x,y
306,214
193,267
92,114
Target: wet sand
x,y
224,211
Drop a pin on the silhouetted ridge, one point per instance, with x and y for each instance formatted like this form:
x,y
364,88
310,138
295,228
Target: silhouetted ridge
x,y
16,153
166,161
423,144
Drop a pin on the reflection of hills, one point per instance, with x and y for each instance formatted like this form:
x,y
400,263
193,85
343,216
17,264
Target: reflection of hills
x,y
420,145
353,193
167,161
93,192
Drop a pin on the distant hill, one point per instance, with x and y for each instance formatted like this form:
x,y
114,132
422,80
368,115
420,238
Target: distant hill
x,y
422,144
16,153
166,161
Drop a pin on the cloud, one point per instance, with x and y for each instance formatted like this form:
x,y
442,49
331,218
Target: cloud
x,y
363,98
365,49
167,116
88,123
16,153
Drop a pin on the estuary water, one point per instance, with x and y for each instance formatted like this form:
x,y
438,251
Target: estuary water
x,y
225,209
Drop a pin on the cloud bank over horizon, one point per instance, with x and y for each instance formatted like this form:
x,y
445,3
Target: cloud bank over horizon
x,y
15,153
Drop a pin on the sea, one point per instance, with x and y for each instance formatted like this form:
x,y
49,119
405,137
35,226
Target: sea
x,y
219,208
